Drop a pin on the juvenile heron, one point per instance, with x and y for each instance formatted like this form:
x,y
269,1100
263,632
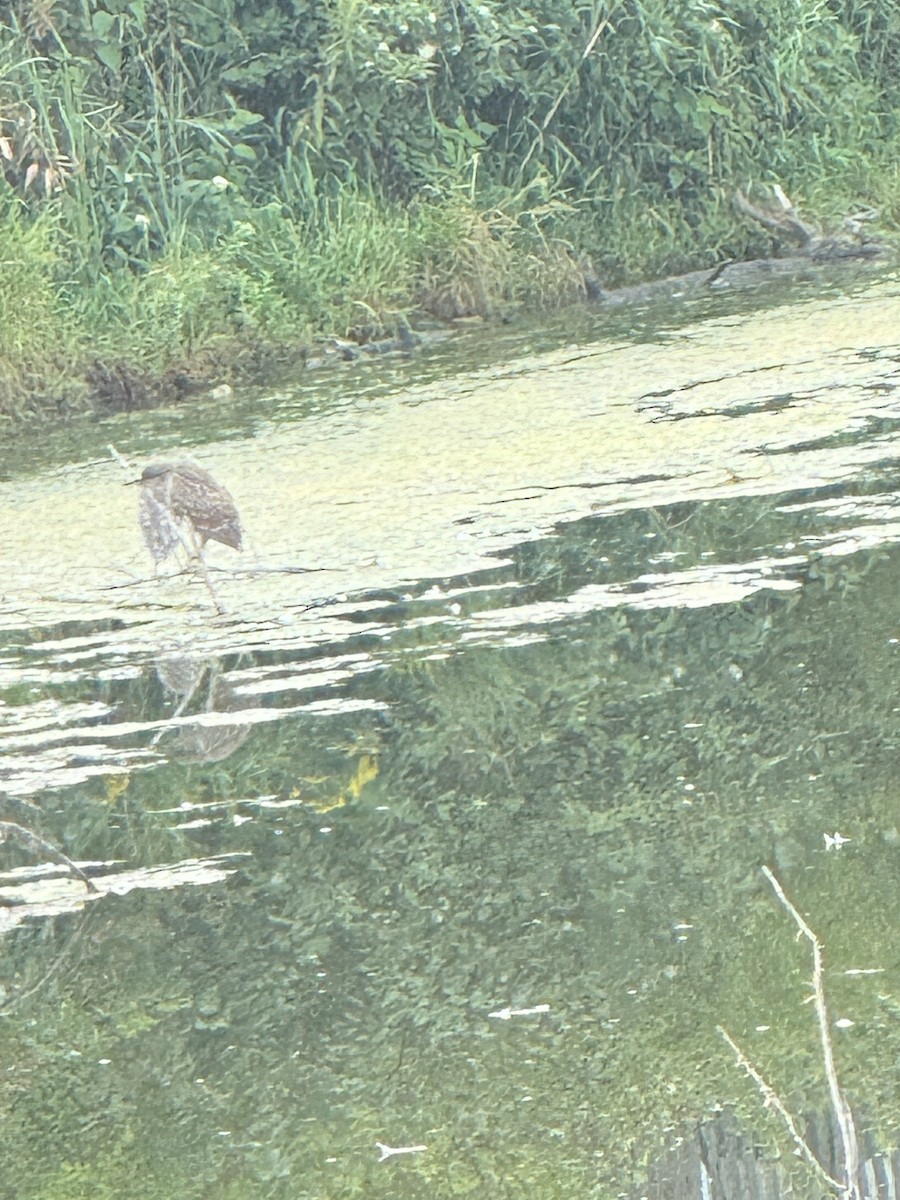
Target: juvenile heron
x,y
181,504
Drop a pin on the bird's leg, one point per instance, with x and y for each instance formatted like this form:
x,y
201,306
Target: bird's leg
x,y
185,700
187,537
215,673
193,547
209,587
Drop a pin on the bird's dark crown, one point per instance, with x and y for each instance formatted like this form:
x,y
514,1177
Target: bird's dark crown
x,y
154,470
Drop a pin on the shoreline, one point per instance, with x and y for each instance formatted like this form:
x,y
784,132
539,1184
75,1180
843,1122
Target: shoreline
x,y
122,387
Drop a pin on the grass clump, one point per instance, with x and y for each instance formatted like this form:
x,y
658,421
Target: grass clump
x,y
237,181
38,339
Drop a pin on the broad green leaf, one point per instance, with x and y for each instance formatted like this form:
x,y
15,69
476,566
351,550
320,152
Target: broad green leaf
x,y
110,55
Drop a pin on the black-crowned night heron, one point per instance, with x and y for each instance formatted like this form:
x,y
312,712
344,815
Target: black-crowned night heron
x,y
182,505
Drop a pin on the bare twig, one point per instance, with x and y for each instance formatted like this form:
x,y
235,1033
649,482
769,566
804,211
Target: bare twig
x,y
848,1187
15,998
10,831
771,1099
123,463
840,1107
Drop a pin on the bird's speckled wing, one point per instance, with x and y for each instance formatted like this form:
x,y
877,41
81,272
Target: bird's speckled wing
x,y
224,527
199,500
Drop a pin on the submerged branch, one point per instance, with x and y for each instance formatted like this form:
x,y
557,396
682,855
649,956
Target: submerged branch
x,y
12,832
848,1188
840,1107
771,1099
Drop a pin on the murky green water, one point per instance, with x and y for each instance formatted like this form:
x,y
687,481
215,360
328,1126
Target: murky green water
x,y
455,841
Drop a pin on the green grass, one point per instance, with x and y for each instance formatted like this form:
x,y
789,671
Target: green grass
x,y
232,188
39,340
272,284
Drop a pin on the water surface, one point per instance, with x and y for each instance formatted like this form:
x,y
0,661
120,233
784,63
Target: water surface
x,y
447,832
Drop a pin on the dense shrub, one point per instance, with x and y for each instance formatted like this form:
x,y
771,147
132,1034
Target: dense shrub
x,y
312,148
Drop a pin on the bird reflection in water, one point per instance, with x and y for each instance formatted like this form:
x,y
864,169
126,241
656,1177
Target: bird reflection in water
x,y
183,675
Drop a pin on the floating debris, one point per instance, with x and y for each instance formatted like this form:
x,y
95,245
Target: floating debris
x,y
390,1151
504,1014
834,841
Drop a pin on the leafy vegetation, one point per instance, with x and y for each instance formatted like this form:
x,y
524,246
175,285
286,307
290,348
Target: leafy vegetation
x,y
237,179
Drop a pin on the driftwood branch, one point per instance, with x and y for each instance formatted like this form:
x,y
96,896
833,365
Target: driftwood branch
x,y
11,832
771,1099
782,218
848,1187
